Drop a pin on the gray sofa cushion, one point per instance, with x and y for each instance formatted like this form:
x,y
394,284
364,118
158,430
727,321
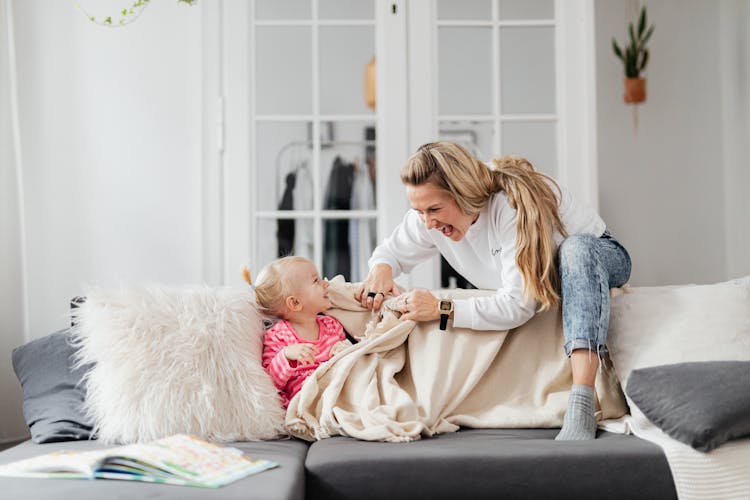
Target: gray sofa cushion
x,y
702,404
489,463
52,389
286,482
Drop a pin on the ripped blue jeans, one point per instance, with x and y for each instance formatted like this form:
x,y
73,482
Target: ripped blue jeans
x,y
589,266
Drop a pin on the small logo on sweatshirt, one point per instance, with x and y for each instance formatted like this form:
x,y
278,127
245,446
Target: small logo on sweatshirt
x,y
496,251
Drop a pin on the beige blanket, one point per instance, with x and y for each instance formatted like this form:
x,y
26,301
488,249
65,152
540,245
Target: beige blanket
x,y
404,379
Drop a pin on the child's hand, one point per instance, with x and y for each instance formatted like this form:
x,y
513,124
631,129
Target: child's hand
x,y
339,346
304,353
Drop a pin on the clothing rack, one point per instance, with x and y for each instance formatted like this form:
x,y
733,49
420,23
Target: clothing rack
x,y
308,144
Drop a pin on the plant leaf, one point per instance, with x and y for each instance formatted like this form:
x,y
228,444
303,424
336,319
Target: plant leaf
x,y
630,63
618,51
642,22
647,35
644,61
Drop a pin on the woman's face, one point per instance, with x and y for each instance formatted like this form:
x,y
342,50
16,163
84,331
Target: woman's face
x,y
438,210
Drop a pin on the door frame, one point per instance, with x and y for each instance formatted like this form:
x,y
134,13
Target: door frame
x,y
406,118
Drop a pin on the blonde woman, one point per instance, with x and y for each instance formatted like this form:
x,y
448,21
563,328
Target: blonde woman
x,y
506,227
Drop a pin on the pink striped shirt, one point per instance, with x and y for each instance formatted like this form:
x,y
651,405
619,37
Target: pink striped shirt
x,y
288,375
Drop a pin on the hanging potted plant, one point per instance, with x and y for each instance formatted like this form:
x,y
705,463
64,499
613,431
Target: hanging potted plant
x,y
635,59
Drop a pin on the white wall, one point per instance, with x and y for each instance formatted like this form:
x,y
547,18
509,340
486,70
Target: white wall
x,y
662,189
12,425
111,131
735,91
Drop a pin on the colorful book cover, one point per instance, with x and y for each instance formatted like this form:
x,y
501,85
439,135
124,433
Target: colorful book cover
x,y
178,459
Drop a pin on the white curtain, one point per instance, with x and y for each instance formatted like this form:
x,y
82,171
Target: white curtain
x,y
12,275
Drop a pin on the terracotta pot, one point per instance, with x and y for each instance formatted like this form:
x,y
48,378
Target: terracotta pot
x,y
635,90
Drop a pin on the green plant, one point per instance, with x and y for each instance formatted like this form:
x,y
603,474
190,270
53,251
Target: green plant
x,y
635,56
127,15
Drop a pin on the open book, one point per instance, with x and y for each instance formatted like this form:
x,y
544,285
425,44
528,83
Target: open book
x,y
179,459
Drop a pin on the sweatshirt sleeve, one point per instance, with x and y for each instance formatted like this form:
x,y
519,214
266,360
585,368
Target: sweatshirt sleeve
x,y
407,246
274,360
506,308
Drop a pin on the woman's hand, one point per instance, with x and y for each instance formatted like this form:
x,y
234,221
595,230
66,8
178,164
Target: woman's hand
x,y
303,353
376,286
419,305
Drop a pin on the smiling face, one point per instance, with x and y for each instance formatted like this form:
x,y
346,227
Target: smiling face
x,y
309,288
438,210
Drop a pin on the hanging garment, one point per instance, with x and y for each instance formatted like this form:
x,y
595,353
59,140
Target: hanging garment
x,y
303,200
285,227
336,253
361,231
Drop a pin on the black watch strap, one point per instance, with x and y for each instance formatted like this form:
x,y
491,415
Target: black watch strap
x,y
444,321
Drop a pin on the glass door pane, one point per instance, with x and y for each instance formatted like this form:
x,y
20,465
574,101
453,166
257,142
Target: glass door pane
x,y
525,9
346,9
527,83
535,141
496,87
344,53
464,70
283,70
314,157
465,9
286,9
284,157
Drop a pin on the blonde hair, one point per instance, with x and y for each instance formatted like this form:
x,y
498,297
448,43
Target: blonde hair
x,y
471,183
274,284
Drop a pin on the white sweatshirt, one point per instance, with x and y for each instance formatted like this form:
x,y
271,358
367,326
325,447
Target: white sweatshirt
x,y
486,256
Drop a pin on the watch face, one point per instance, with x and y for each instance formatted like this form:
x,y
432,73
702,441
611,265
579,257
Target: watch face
x,y
445,305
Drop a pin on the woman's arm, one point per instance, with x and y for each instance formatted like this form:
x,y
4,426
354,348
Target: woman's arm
x,y
507,308
407,246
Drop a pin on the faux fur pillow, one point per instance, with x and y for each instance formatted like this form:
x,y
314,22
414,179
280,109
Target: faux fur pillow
x,y
175,360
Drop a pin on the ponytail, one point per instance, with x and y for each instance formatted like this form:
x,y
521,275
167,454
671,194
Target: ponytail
x,y
530,193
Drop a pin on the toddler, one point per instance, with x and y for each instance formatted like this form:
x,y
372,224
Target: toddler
x,y
291,289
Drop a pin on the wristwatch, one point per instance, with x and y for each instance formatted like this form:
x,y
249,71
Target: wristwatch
x,y
445,307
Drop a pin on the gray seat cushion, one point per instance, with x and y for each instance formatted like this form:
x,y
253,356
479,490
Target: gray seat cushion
x,y
489,463
286,482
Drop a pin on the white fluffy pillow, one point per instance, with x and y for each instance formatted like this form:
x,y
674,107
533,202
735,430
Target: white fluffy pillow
x,y
651,326
176,360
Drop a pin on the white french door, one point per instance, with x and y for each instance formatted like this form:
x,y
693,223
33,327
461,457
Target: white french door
x,y
505,77
306,167
305,154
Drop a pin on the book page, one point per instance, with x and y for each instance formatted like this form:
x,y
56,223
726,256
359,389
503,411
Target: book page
x,y
179,459
56,464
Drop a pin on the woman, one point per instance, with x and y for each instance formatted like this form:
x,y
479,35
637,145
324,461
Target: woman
x,y
505,226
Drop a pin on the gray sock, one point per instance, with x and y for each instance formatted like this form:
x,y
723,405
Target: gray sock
x,y
579,422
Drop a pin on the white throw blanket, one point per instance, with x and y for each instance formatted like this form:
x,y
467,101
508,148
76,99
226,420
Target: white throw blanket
x,y
652,326
721,474
407,379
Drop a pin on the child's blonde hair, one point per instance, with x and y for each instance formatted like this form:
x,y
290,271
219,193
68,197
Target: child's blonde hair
x,y
274,285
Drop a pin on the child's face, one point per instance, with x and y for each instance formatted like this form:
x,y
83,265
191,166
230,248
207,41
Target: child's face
x,y
310,288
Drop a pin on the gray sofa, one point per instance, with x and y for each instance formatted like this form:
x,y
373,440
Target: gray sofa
x,y
471,463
